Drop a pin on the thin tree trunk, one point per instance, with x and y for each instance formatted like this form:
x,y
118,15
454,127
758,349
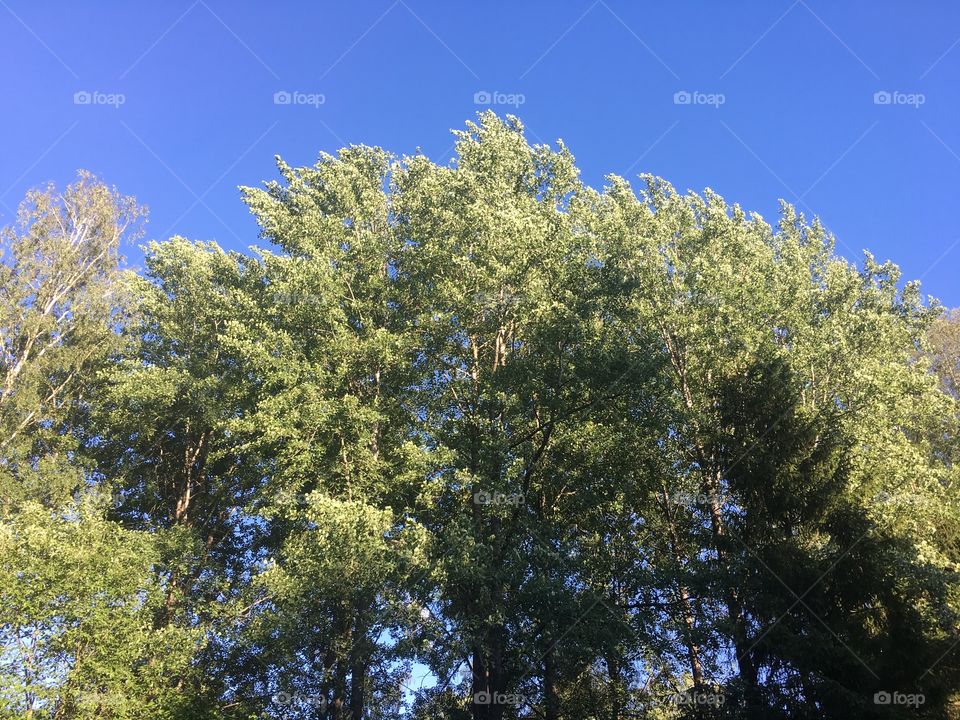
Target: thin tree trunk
x,y
711,483
358,677
686,607
358,664
481,686
748,670
613,675
550,685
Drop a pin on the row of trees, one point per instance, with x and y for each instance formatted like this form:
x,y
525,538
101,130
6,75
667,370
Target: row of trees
x,y
570,454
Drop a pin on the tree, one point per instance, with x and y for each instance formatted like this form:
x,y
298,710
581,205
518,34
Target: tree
x,y
77,598
508,306
62,294
944,338
184,476
575,453
331,353
826,344
77,590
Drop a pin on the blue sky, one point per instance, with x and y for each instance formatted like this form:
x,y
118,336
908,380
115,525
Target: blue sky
x,y
756,99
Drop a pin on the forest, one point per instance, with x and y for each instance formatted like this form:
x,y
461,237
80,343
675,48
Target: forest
x,y
472,441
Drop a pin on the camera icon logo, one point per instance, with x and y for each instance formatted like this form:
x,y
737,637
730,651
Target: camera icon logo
x,y
882,97
882,698
282,97
82,97
482,97
682,97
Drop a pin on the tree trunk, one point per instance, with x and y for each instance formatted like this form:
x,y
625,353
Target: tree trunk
x,y
686,607
358,664
497,676
550,686
481,686
711,484
613,675
358,677
489,681
748,671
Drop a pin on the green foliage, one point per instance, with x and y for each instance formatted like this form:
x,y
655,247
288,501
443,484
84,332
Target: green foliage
x,y
599,454
78,595
61,294
944,337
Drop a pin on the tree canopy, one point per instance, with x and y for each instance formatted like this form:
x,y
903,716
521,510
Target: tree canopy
x,y
475,441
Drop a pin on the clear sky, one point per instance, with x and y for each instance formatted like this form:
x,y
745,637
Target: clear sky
x,y
177,102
